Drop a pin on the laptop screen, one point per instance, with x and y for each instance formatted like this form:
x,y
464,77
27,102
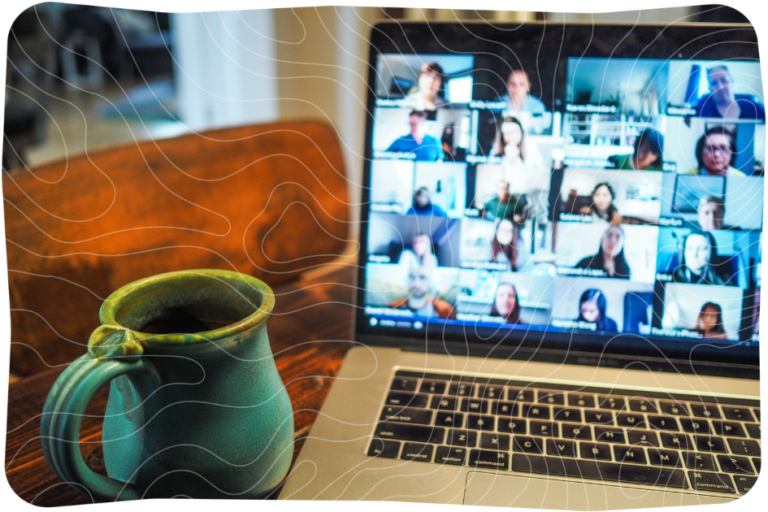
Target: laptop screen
x,y
628,200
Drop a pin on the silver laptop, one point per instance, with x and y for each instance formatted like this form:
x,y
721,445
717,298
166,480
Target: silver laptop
x,y
559,281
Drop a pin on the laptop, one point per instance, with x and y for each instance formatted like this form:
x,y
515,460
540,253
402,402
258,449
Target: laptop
x,y
559,276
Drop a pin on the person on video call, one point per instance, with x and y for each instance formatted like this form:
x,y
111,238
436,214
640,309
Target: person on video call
x,y
420,254
710,213
511,146
418,141
716,153
420,299
518,95
505,205
505,304
422,204
504,244
723,102
428,94
592,309
699,257
710,322
648,153
610,258
602,209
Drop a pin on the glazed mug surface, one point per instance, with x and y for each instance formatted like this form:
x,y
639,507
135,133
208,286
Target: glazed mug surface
x,y
196,406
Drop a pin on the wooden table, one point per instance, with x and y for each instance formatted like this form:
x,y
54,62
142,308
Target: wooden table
x,y
310,333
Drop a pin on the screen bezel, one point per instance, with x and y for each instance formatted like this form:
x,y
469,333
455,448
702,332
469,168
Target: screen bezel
x,y
652,41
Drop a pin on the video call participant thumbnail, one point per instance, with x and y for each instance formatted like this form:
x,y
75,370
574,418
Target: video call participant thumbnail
x,y
428,94
695,311
424,146
420,254
716,153
592,307
420,300
723,102
511,145
506,304
422,204
610,256
602,208
518,95
647,154
700,263
710,322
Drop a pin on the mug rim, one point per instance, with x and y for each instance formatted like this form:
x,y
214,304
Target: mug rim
x,y
112,302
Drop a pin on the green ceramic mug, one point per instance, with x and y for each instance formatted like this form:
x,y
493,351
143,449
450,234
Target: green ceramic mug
x,y
196,405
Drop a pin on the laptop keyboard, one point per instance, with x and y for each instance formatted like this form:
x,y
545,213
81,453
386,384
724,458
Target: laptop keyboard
x,y
669,440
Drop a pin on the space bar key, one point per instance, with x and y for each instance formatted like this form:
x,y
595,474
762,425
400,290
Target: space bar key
x,y
604,471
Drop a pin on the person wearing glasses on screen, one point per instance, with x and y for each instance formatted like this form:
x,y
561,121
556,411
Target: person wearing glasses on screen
x,y
710,213
603,209
420,299
648,154
425,147
610,257
511,145
699,257
710,322
518,95
420,255
723,102
715,153
423,205
428,94
505,304
592,307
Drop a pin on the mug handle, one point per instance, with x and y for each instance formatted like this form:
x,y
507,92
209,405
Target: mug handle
x,y
112,352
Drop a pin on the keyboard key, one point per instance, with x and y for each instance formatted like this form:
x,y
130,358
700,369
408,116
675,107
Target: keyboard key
x,y
744,446
476,422
667,458
451,455
642,405
526,444
598,417
449,419
405,432
476,406
734,464
662,422
674,408
491,392
754,430
561,448
462,438
461,389
576,431
407,415
551,397
737,413
728,429
700,461
595,451
403,384
505,408
711,482
419,452
676,441
544,429
489,459
629,454
705,411
610,435
631,420
744,483
520,395
495,442
709,444
646,437
581,400
385,449
512,426
567,414
756,462
756,412
407,399
444,403
602,471
612,403
433,386
695,426
538,412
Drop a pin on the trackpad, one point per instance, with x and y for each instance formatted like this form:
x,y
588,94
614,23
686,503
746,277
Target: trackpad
x,y
535,491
